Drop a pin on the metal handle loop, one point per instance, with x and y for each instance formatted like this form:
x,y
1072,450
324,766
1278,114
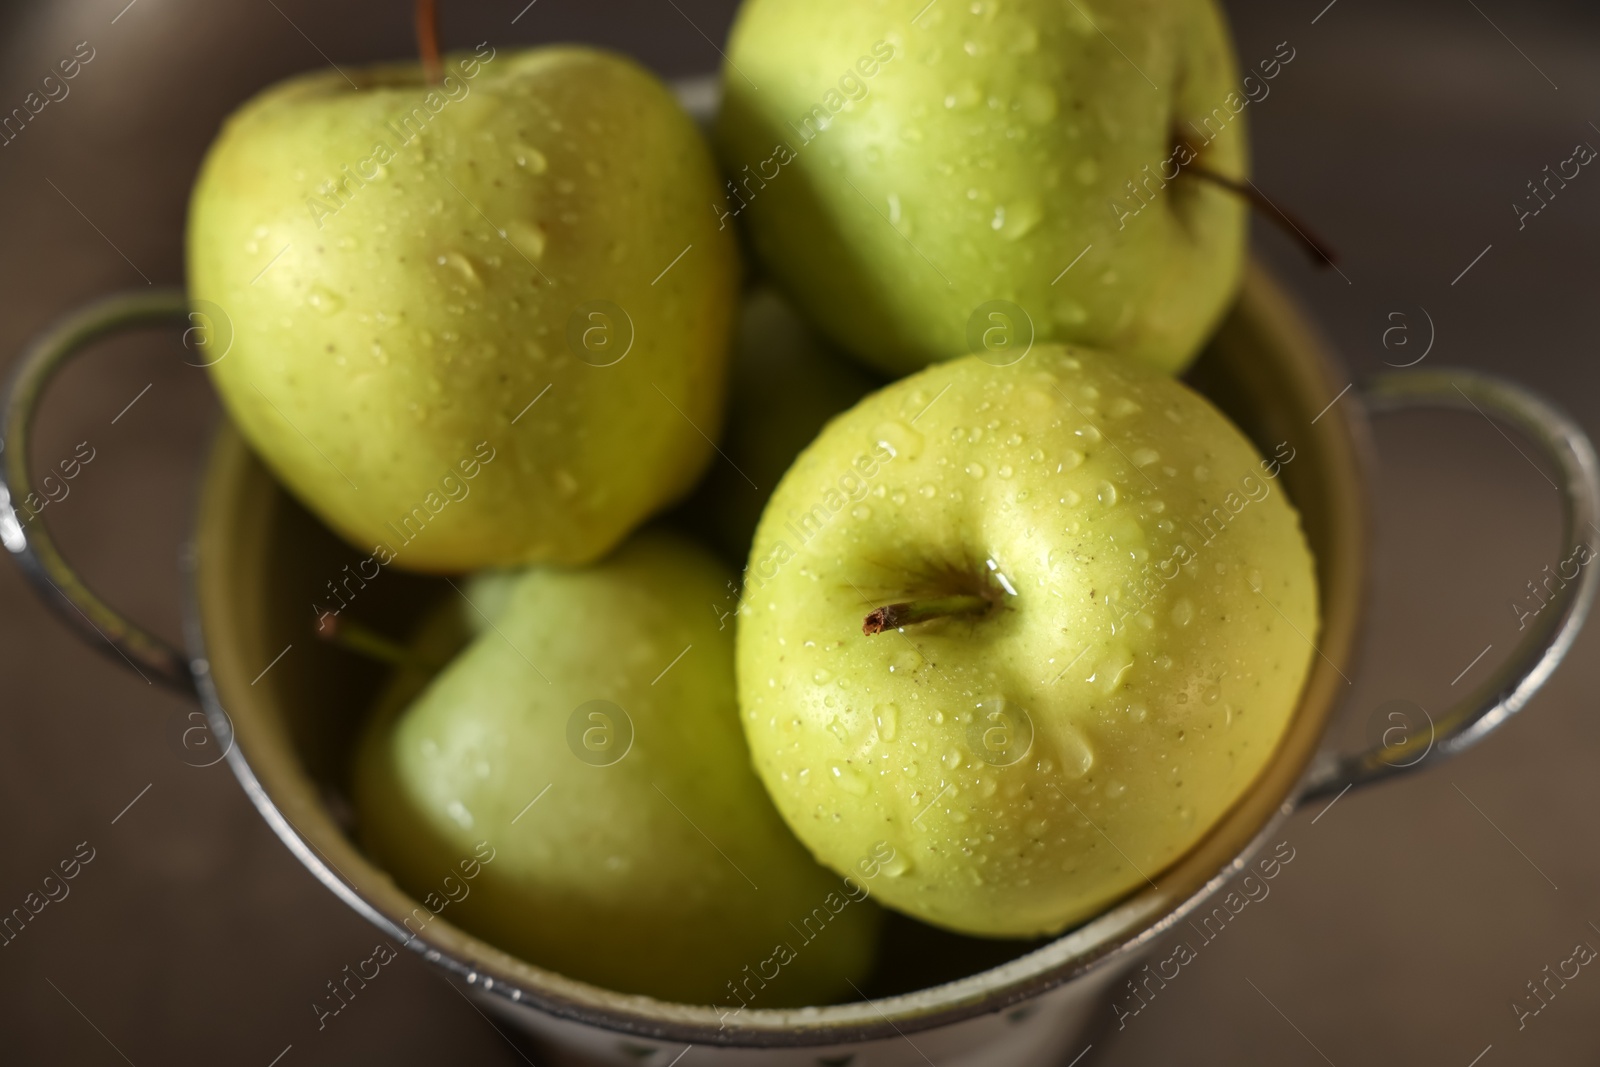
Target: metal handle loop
x,y
58,584
1550,635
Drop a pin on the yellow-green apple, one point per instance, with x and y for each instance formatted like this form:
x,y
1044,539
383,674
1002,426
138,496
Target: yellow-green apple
x,y
518,263
587,741
917,176
1042,663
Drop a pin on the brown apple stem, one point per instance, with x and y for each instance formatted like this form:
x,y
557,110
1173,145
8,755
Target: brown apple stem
x,y
357,638
428,41
1293,226
894,616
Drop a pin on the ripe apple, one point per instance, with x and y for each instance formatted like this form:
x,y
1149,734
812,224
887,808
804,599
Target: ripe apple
x,y
520,263
909,176
588,739
1091,608
784,383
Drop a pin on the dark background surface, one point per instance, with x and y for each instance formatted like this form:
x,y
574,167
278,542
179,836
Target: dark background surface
x,y
1412,914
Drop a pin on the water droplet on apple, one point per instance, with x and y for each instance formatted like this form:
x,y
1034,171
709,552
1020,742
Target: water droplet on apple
x,y
1113,666
1183,612
965,95
526,237
1005,470
1106,494
976,470
850,781
900,439
895,213
462,264
532,159
458,811
928,491
898,865
1144,457
1019,219
821,677
1076,755
906,660
325,300
888,720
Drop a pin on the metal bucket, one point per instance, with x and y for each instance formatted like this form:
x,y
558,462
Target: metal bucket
x,y
258,559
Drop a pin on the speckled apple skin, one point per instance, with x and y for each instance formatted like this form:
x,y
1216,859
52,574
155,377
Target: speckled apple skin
x,y
388,332
990,147
1155,608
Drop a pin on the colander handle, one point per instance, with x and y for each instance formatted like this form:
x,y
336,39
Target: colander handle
x,y
29,542
1549,635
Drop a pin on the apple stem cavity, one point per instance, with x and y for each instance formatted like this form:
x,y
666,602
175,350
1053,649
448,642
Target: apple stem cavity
x,y
1292,225
894,616
427,12
354,637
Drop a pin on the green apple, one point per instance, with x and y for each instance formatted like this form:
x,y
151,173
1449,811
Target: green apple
x,y
1095,609
917,176
484,323
587,741
785,382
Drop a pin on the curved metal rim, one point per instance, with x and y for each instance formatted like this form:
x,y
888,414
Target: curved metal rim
x,y
1488,707
1547,642
1075,953
874,1020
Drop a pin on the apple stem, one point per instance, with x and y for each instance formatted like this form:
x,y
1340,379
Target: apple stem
x,y
894,616
357,638
1318,250
428,40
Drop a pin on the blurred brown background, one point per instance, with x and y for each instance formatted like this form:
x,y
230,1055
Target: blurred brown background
x,y
1406,924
